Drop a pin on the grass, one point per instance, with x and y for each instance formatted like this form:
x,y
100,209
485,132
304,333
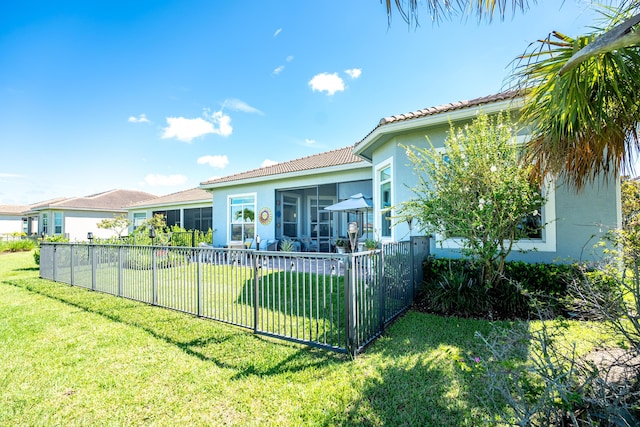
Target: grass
x,y
75,357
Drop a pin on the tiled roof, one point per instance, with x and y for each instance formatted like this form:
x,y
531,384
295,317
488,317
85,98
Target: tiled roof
x,y
191,195
108,200
341,156
13,209
445,108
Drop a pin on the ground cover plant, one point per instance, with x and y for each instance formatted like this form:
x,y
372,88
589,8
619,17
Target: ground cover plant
x,y
17,245
75,357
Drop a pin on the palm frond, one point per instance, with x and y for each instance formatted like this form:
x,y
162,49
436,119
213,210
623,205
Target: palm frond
x,y
583,122
438,9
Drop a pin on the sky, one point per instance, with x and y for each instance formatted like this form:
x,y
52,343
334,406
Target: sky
x,y
161,95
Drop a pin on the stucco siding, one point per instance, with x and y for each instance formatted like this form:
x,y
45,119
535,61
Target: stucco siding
x,y
10,224
265,193
78,223
581,219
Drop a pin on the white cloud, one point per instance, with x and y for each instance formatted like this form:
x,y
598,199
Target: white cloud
x,y
278,31
185,130
155,180
354,73
325,82
309,142
238,105
268,162
142,118
10,175
289,58
214,161
224,122
278,70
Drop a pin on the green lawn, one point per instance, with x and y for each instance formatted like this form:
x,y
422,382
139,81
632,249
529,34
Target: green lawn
x,y
75,357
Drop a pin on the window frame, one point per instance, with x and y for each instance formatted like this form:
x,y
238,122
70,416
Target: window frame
x,y
378,220
231,222
547,243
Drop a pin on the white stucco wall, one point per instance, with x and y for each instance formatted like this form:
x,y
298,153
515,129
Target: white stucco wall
x,y
10,224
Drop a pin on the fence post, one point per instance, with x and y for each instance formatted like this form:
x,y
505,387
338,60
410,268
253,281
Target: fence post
x,y
154,275
71,265
120,272
349,306
412,257
92,251
256,291
55,262
382,289
200,287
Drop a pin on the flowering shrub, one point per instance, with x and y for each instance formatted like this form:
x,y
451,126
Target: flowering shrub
x,y
477,191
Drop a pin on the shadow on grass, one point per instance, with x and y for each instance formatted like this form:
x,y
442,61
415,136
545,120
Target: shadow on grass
x,y
432,375
226,346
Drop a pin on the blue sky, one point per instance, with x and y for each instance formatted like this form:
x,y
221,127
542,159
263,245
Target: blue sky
x,y
162,95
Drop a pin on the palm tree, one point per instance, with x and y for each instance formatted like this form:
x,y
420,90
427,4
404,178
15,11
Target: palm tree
x,y
584,114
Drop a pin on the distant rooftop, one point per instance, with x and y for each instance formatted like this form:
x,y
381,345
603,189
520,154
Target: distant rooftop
x,y
191,195
112,200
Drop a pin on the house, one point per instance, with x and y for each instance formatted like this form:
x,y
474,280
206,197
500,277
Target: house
x,y
575,221
11,223
77,216
189,209
288,199
13,219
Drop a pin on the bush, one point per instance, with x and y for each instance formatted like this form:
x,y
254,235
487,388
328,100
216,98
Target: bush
x,y
17,246
452,287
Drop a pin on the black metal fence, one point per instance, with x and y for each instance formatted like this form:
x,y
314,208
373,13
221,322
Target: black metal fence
x,y
339,302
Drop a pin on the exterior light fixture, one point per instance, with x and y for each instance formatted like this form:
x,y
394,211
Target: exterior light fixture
x,y
90,237
152,235
352,231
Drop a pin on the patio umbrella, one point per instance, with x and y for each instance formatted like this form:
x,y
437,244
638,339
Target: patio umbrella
x,y
358,203
355,203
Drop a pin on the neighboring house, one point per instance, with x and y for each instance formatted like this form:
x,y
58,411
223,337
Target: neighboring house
x,y
189,209
75,217
14,218
11,222
288,199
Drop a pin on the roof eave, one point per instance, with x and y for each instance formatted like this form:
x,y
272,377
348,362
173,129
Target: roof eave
x,y
295,174
168,204
385,131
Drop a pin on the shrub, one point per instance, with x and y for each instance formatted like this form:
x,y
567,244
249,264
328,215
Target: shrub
x,y
451,287
18,246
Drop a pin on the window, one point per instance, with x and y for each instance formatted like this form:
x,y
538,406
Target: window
x,y
384,200
45,223
171,217
57,223
138,219
198,219
242,217
290,215
542,227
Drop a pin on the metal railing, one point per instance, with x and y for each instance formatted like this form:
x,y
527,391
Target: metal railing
x,y
339,302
